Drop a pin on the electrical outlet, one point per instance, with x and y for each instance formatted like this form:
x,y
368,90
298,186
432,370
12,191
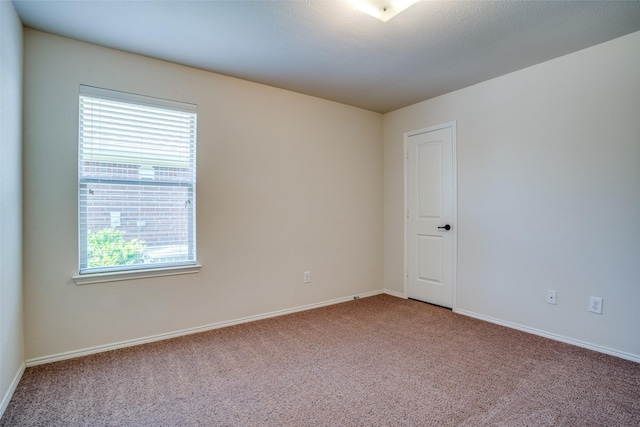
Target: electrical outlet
x,y
551,297
307,277
595,305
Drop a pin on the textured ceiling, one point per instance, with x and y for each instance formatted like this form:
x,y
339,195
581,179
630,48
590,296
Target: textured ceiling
x,y
330,50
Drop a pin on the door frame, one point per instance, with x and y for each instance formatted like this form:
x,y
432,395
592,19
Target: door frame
x,y
454,219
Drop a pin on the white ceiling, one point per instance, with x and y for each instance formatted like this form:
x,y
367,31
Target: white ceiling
x,y
330,50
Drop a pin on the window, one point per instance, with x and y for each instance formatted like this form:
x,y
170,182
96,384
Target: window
x,y
137,182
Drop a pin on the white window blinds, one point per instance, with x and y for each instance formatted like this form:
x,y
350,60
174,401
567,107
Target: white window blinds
x,y
137,182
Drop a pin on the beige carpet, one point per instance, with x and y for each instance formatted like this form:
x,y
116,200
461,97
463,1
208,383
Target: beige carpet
x,y
379,361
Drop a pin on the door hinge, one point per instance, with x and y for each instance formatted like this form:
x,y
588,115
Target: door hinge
x,y
407,213
407,154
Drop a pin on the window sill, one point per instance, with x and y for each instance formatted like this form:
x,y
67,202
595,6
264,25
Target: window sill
x,y
88,279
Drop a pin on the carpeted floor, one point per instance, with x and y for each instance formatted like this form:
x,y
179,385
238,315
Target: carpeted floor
x,y
378,361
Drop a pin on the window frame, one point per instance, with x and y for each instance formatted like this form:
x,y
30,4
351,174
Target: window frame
x,y
88,275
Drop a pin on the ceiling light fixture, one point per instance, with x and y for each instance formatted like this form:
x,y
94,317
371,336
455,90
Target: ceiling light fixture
x,y
383,9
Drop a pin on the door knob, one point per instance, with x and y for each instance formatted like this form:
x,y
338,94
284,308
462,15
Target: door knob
x,y
446,227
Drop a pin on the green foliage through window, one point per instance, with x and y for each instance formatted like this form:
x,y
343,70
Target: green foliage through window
x,y
108,247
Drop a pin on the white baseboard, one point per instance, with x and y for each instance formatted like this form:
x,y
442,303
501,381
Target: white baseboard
x,y
534,331
394,293
12,388
129,343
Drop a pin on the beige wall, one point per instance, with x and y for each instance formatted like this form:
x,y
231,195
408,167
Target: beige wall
x,y
11,323
286,183
548,194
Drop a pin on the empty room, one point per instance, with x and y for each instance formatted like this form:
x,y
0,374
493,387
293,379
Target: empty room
x,y
267,213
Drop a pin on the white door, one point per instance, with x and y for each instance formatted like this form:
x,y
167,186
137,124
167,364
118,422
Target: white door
x,y
430,214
